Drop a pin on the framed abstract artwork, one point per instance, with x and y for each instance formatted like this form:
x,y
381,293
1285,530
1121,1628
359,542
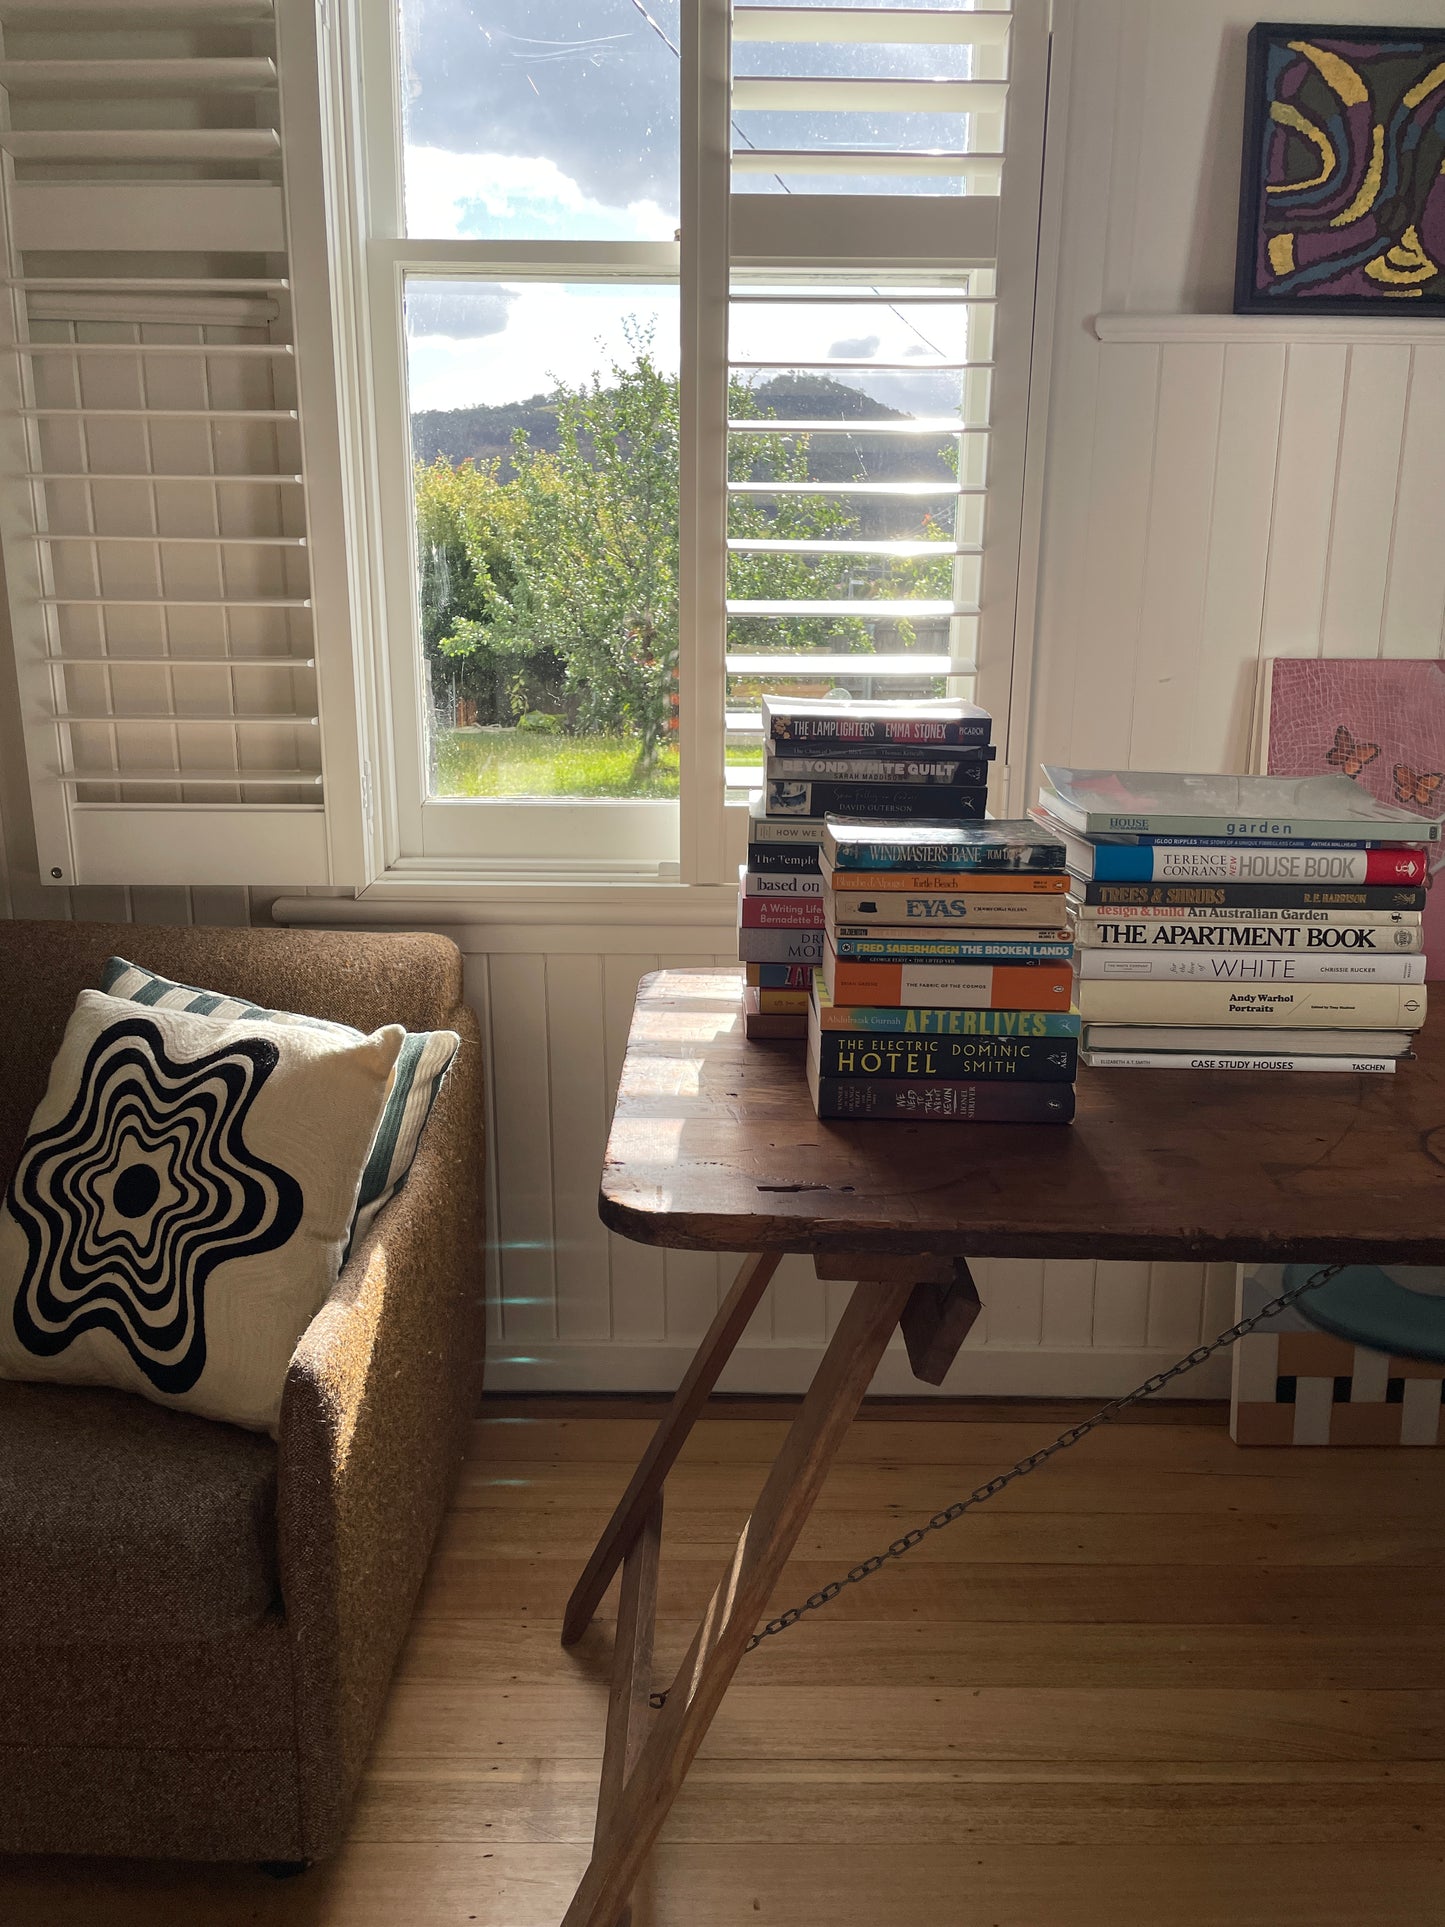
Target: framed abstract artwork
x,y
1382,723
1342,195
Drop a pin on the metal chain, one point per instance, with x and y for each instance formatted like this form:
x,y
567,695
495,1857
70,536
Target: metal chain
x,y
827,1594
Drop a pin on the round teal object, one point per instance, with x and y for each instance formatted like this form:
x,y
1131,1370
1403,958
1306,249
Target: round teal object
x,y
1366,1306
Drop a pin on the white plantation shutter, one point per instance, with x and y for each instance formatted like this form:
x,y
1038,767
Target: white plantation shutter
x,y
171,506
859,230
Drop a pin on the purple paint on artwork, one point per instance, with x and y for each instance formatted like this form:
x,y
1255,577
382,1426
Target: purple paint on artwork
x,y
1395,708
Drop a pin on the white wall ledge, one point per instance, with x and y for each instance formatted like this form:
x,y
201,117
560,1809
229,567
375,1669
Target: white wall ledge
x,y
1161,330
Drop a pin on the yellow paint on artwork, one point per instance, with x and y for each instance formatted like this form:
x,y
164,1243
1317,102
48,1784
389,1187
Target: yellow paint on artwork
x,y
1288,115
1432,80
1281,253
1338,75
1406,262
1370,186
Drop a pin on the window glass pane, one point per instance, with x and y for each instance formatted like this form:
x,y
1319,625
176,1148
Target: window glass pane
x,y
540,119
544,438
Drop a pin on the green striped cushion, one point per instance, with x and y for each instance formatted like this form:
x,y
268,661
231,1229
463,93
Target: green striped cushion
x,y
424,1060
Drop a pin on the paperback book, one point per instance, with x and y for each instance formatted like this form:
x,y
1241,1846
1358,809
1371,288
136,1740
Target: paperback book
x,y
986,1101
1206,1039
855,940
998,986
782,913
927,771
779,976
819,720
784,883
940,847
940,910
913,1019
1038,1060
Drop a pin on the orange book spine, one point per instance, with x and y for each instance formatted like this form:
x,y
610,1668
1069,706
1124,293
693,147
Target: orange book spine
x,y
951,882
989,987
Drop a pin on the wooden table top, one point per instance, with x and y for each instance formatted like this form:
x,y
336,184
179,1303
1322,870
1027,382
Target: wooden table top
x,y
714,1147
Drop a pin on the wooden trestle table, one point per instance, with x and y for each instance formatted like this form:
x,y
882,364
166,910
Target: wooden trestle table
x,y
714,1147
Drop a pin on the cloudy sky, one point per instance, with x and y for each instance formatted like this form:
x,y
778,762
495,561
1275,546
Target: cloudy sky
x,y
558,119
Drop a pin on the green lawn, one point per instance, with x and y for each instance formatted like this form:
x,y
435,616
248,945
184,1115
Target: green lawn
x,y
520,762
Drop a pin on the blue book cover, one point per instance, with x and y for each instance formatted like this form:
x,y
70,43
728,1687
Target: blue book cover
x,y
931,844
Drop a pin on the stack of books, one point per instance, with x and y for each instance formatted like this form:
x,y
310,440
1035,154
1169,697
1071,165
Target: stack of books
x,y
1242,922
946,981
873,761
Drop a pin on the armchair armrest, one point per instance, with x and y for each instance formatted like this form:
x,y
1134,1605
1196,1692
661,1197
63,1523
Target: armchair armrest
x,y
373,1422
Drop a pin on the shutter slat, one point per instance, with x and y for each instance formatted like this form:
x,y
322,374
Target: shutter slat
x,y
860,664
901,26
829,94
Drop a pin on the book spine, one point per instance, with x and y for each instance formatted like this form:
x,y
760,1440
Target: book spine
x,y
1308,1006
1260,843
941,861
824,731
1150,916
1233,896
985,1103
1000,882
1002,986
1024,1060
868,946
1154,863
937,1022
783,859
899,800
1299,939
781,1003
763,830
784,883
921,770
780,976
893,910
1192,967
781,946
1181,1060
981,754
782,913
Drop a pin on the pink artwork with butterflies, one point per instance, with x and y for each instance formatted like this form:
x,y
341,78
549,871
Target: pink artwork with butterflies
x,y
1380,723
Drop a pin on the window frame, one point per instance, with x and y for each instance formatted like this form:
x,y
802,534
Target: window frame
x,y
701,838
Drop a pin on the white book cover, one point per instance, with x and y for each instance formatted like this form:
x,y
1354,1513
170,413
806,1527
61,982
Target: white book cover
x,y
1307,1006
1193,966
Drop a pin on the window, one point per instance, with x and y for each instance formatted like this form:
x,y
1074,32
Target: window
x,y
700,343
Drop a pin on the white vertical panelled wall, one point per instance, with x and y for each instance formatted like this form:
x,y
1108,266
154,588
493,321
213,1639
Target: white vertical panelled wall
x,y
1213,492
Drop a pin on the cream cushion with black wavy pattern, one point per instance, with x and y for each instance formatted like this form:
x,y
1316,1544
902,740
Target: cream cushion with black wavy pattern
x,y
182,1201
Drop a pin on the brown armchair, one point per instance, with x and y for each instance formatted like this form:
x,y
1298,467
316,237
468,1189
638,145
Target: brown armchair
x,y
198,1624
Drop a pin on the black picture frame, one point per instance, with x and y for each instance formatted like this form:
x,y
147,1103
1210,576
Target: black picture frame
x,y
1249,297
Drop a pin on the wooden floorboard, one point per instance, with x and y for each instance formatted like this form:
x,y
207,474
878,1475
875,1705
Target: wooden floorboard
x,y
1161,1683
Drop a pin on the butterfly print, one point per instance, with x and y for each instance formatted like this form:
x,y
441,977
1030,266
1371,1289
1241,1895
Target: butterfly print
x,y
1349,754
1418,787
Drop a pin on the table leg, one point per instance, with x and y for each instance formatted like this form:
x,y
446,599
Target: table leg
x,y
739,1603
627,1705
668,1440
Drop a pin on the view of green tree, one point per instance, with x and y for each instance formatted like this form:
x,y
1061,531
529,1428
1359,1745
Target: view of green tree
x,y
549,577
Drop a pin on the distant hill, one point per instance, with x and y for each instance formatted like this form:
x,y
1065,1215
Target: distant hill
x,y
485,434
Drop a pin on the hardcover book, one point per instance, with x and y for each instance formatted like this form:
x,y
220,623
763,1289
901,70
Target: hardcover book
x,y
779,976
763,828
1304,1006
1356,939
782,913
927,845
1179,1060
1241,808
804,719
1192,966
1257,862
1143,916
780,946
1249,896
783,798
783,859
1206,1038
